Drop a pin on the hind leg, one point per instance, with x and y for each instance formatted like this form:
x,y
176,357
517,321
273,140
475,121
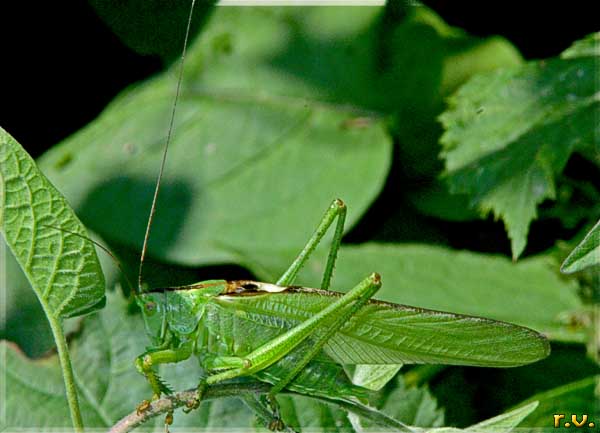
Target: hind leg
x,y
337,210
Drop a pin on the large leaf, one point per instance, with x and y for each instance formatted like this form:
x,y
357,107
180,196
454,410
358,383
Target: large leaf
x,y
251,161
263,139
585,254
502,423
403,61
61,267
509,133
418,408
412,406
457,281
506,421
102,357
24,321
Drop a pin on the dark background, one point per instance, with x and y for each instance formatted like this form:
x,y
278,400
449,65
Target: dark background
x,y
61,64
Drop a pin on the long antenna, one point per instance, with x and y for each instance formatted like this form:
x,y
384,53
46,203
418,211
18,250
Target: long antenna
x,y
164,157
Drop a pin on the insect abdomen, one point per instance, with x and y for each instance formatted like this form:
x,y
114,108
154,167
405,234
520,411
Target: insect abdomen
x,y
231,332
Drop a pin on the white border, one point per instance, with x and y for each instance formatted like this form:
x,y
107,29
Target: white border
x,y
3,314
301,3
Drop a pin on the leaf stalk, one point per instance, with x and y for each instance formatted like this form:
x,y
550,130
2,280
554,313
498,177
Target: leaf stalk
x,y
67,370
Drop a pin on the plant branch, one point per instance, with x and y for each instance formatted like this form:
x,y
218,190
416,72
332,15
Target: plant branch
x,y
181,399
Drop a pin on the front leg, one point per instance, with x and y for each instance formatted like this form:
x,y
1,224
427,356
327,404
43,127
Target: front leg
x,y
145,362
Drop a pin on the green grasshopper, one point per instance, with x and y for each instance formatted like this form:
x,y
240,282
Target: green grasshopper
x,y
299,338
292,336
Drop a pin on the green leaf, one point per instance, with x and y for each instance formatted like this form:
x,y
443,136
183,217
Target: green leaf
x,y
574,398
62,268
434,199
24,322
426,60
251,161
586,254
418,408
411,406
458,281
509,133
261,140
506,421
308,414
371,376
586,47
102,357
502,423
429,60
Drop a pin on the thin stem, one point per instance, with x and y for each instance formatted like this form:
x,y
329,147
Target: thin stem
x,y
179,399
67,371
183,398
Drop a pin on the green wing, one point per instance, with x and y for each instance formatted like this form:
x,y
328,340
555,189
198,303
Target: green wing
x,y
386,333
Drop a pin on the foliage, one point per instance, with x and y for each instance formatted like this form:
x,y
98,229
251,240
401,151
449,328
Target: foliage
x,y
61,267
587,252
505,159
572,398
282,110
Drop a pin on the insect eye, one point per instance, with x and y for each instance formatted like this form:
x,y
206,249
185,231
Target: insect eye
x,y
150,306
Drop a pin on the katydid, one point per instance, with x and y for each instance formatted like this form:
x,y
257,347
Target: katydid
x,y
283,334
301,338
